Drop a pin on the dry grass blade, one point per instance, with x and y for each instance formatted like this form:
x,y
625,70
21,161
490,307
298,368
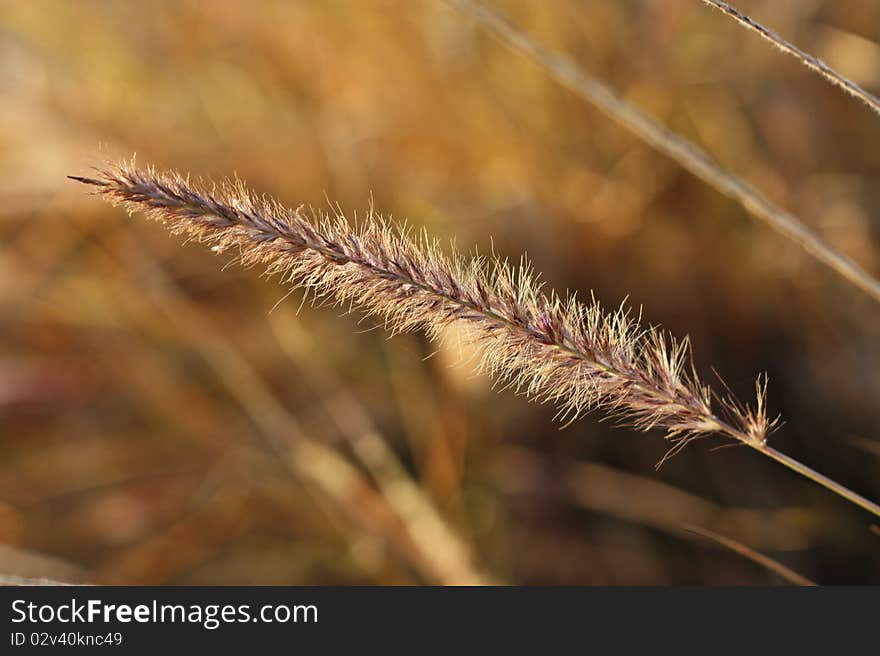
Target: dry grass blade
x,y
648,501
425,524
865,444
565,71
23,581
764,561
549,347
431,547
805,58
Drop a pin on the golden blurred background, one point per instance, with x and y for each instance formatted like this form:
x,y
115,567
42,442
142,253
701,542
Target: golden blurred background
x,y
165,421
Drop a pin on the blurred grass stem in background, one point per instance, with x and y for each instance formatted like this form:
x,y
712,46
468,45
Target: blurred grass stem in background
x,y
690,156
764,561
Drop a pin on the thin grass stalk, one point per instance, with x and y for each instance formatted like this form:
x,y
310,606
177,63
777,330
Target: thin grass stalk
x,y
687,154
813,63
755,556
816,477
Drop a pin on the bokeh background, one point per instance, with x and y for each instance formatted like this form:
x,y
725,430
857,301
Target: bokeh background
x,y
165,421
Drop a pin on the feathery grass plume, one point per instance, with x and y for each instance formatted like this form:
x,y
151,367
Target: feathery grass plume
x,y
813,63
550,347
547,346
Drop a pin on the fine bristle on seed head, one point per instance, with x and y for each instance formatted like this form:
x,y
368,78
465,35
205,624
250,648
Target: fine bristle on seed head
x,y
547,346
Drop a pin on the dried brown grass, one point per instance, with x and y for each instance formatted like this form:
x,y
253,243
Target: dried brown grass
x,y
550,347
813,63
547,346
678,148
